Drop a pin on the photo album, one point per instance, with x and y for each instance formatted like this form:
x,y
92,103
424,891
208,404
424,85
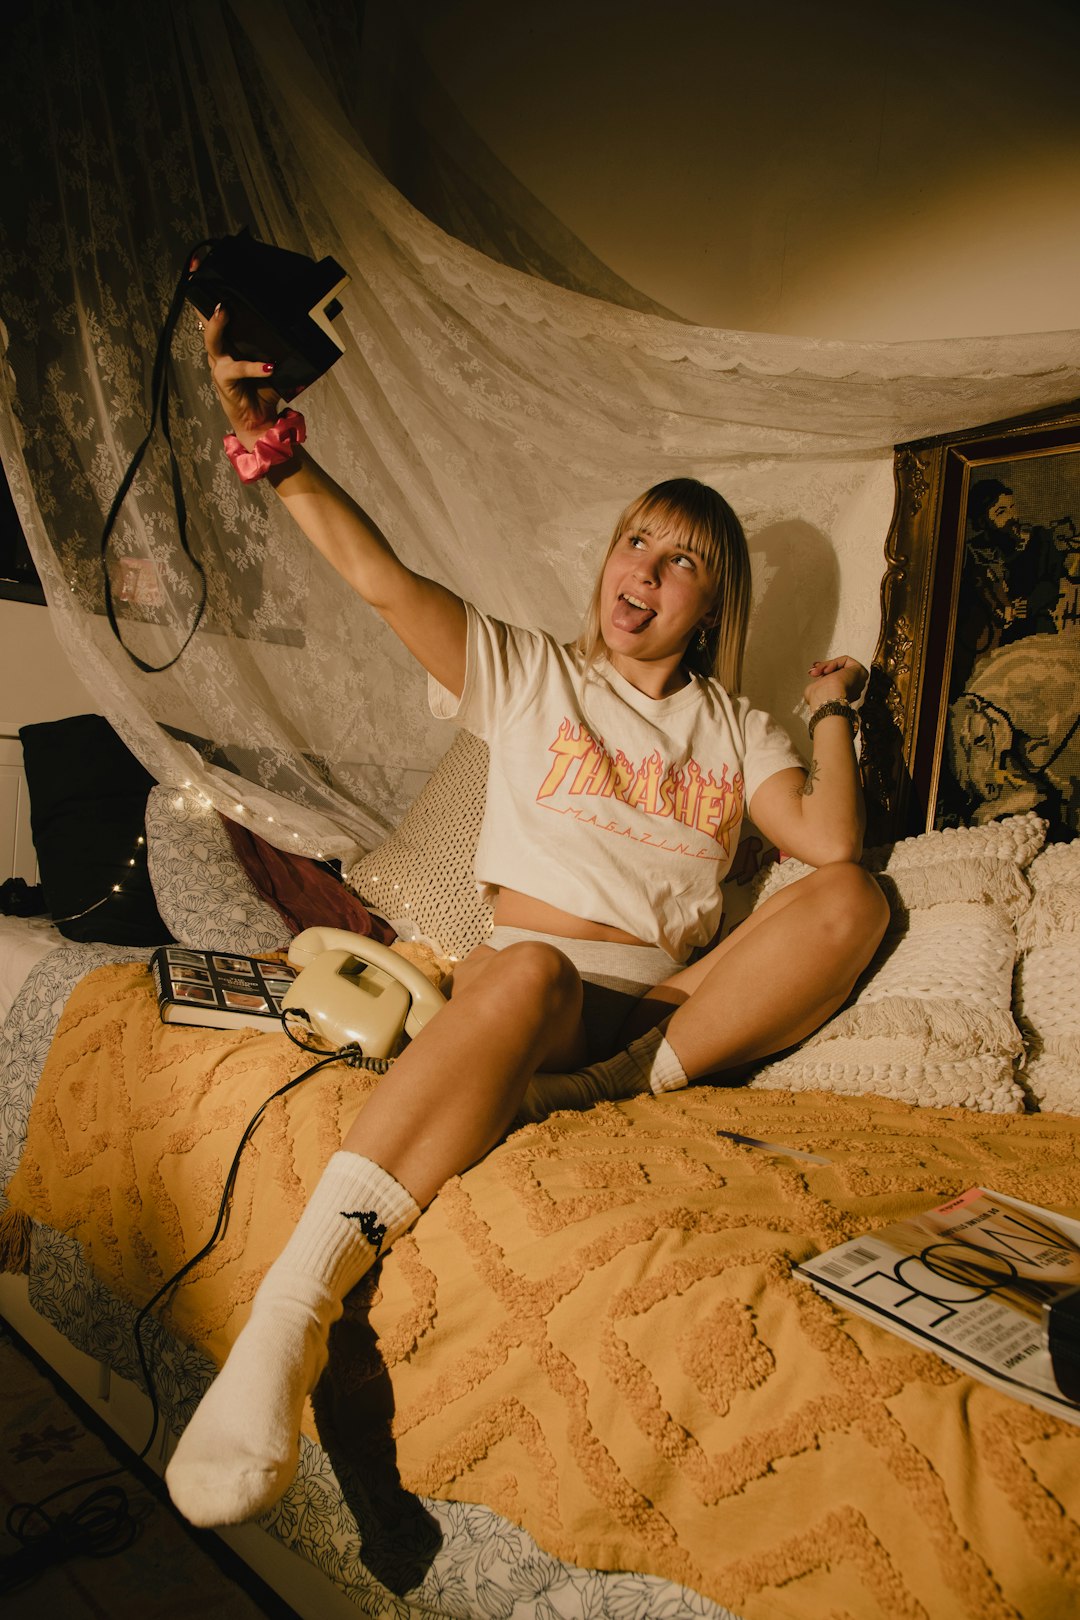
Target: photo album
x,y
218,989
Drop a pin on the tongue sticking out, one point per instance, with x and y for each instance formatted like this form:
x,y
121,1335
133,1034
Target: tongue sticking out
x,y
626,617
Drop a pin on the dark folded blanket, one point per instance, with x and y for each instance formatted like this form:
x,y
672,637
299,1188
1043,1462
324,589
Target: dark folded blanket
x,y
304,892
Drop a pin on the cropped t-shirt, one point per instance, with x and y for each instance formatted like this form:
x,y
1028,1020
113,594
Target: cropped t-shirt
x,y
616,807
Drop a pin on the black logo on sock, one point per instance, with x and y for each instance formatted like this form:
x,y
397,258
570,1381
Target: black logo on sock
x,y
372,1228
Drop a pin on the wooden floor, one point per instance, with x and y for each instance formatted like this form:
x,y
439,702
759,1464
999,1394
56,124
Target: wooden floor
x,y
49,1439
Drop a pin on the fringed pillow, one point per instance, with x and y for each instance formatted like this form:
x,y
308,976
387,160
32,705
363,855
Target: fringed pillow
x,y
931,1018
985,864
423,873
201,889
1047,980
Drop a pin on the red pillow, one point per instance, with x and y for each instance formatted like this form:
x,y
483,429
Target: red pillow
x,y
304,892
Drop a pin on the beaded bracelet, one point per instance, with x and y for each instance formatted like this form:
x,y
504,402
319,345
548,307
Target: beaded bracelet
x,y
276,445
834,706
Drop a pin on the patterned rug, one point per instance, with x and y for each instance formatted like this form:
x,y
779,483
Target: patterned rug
x,y
169,1572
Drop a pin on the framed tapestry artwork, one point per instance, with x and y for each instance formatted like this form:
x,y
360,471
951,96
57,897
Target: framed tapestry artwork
x,y
973,707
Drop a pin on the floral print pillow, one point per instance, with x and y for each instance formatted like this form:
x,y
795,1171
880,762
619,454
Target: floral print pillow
x,y
205,897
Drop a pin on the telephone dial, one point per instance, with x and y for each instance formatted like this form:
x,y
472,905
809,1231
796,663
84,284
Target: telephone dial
x,y
354,990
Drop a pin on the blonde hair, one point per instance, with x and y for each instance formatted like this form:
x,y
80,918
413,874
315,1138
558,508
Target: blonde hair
x,y
699,519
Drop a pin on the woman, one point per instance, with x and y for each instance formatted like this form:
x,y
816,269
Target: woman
x,y
619,776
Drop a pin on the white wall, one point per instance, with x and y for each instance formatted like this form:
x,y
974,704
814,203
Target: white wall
x,y
821,168
36,680
842,168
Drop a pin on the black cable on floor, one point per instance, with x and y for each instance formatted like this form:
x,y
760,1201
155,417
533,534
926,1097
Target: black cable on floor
x,y
97,1527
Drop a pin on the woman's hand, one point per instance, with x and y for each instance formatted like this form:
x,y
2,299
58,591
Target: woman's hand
x,y
817,814
833,678
244,387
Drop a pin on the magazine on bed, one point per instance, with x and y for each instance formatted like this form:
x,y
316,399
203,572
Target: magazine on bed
x,y
219,989
974,1280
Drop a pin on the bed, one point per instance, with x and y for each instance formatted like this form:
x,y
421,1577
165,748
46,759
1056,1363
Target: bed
x,y
587,1383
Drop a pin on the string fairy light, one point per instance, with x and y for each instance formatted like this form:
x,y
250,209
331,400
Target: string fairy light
x,y
114,888
200,800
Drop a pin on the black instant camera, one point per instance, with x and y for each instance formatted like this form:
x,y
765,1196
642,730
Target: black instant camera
x,y
280,306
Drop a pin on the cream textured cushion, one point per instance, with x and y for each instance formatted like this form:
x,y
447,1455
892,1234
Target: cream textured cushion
x,y
1055,897
424,870
931,1019
986,864
1047,986
930,1022
205,897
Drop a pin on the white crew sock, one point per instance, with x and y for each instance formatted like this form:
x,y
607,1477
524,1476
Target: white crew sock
x,y
240,1450
648,1064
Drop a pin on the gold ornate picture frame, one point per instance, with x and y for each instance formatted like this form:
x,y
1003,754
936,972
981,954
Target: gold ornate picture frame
x,y
973,706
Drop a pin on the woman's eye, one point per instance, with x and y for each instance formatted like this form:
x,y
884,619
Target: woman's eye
x,y
684,561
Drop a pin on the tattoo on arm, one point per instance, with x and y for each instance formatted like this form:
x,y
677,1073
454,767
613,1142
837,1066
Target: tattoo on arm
x,y
811,777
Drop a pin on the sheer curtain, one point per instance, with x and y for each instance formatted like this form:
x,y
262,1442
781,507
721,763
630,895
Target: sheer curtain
x,y
492,422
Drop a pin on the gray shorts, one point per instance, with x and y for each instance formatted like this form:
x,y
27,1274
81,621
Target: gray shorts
x,y
613,977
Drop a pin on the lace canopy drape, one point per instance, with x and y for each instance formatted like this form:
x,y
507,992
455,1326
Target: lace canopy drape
x,y
493,423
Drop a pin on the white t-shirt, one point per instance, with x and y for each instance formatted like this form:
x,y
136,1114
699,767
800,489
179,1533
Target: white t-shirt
x,y
614,806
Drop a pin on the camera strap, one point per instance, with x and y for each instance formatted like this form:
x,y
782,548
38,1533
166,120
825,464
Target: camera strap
x,y
159,395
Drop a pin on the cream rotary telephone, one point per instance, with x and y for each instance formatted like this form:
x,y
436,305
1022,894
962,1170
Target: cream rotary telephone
x,y
353,989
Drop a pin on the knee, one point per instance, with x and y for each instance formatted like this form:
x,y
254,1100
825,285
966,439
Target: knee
x,y
854,906
539,972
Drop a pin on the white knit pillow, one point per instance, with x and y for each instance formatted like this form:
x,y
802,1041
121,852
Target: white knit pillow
x,y
931,1019
1047,980
930,1022
986,863
1055,897
206,899
424,870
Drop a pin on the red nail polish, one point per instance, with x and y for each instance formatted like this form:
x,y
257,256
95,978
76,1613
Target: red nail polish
x,y
268,366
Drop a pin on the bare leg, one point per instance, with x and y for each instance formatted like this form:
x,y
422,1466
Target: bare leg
x,y
776,979
452,1094
447,1100
772,982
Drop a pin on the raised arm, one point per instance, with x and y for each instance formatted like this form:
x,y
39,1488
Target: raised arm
x,y
818,815
427,617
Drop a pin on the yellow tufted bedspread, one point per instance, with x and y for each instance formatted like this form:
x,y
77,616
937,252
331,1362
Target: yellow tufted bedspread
x,y
596,1331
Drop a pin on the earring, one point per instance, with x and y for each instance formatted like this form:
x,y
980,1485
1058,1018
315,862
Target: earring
x,y
702,640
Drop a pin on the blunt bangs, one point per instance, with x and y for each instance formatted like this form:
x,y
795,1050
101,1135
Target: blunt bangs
x,y
698,520
677,511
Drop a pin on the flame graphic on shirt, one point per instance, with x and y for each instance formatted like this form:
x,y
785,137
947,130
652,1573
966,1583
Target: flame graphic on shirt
x,y
689,795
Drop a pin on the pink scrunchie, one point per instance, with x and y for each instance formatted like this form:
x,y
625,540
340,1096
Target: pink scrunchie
x,y
277,444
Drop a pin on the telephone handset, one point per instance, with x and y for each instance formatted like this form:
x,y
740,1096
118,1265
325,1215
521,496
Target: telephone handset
x,y
355,990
